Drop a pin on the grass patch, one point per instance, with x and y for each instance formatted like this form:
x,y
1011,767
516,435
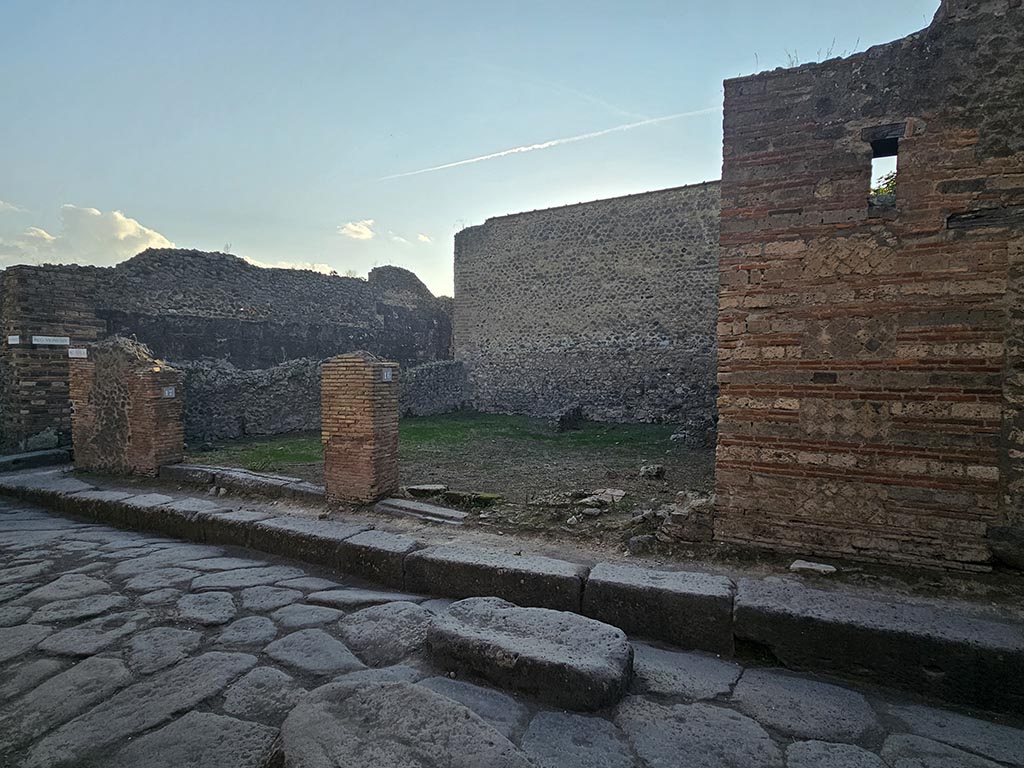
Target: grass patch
x,y
265,454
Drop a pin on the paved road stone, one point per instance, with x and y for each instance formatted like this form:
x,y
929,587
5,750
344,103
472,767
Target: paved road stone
x,y
159,647
309,583
208,608
93,636
313,650
246,577
396,674
14,614
562,740
250,631
996,742
499,709
161,597
687,675
15,641
78,608
265,694
66,587
907,751
24,572
300,615
354,598
820,754
385,634
200,740
223,563
268,598
160,578
25,677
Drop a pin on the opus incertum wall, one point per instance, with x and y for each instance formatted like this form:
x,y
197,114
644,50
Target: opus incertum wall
x,y
870,353
609,306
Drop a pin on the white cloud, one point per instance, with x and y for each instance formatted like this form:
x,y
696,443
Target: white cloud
x,y
87,236
358,230
396,238
323,269
424,238
6,207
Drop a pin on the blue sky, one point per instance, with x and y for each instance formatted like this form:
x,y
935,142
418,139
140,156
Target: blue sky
x,y
273,126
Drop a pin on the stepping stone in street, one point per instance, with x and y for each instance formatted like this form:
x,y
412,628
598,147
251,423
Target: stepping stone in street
x,y
78,608
352,598
391,724
906,751
66,587
208,608
246,577
160,578
203,740
498,709
298,615
265,694
563,658
154,649
802,708
996,742
138,708
386,634
563,740
93,636
819,754
688,675
695,735
250,631
268,598
315,651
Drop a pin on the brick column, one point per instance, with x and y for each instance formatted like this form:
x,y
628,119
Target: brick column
x,y
126,410
360,427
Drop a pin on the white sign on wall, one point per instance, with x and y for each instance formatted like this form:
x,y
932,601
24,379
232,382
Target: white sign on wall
x,y
170,392
14,339
386,374
78,353
51,341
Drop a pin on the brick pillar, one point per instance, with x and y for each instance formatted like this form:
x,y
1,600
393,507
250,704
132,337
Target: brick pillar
x,y
126,410
360,427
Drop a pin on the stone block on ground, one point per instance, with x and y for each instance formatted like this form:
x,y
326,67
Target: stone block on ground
x,y
228,527
689,610
525,580
559,657
421,510
377,556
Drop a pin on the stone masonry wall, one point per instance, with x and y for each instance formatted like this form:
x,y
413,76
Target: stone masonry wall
x,y
607,305
434,388
863,350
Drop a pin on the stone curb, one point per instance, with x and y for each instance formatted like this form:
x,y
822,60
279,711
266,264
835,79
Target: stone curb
x,y
245,482
938,652
17,461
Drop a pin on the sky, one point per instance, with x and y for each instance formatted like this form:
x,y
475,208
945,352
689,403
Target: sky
x,y
346,135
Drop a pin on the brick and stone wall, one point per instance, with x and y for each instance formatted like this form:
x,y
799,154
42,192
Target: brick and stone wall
x,y
869,362
126,410
188,305
608,305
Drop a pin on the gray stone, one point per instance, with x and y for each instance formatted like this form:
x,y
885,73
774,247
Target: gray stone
x,y
695,735
562,740
59,699
385,634
522,579
352,597
138,708
996,742
191,504
66,587
78,608
420,510
377,556
802,708
154,649
189,474
14,614
25,676
223,563
689,610
309,584
246,577
265,694
820,754
252,630
171,556
160,597
560,657
395,674
161,578
498,709
93,636
268,598
300,615
312,541
11,591
200,740
313,650
374,725
684,674
209,608
438,604
806,566
17,640
24,572
905,751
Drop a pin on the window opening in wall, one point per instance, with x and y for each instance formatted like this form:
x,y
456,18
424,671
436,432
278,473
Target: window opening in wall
x,y
884,163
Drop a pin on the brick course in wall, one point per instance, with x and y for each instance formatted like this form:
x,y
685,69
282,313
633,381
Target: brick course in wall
x,y
360,427
608,305
869,363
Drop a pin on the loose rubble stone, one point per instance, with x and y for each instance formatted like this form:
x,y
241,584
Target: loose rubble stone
x,y
695,735
805,566
385,634
805,709
391,724
246,577
905,751
268,598
14,614
208,608
642,544
200,740
160,596
499,709
138,708
561,740
652,471
820,754
301,615
66,587
154,649
562,658
93,636
265,694
161,578
59,699
252,630
996,742
78,608
313,650
309,583
24,677
360,598
687,675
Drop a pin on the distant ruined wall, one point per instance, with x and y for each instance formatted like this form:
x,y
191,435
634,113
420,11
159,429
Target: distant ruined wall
x,y
433,388
608,305
189,305
869,361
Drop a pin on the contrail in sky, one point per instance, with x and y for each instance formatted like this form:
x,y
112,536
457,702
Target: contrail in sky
x,y
554,142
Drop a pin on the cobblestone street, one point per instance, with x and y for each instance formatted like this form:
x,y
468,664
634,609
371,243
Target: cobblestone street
x,y
124,649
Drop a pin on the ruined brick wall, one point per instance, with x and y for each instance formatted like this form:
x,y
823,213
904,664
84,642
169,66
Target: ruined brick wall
x,y
126,410
187,305
861,349
607,305
1013,392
